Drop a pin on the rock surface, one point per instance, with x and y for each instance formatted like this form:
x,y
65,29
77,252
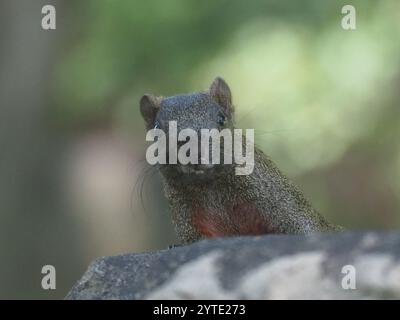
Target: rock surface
x,y
266,267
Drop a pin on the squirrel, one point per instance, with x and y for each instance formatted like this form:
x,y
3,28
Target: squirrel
x,y
209,201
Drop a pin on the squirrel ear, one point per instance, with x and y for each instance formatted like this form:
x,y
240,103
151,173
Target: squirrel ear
x,y
220,92
149,106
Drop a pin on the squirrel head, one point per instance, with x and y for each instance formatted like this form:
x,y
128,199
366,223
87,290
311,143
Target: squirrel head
x,y
210,109
206,110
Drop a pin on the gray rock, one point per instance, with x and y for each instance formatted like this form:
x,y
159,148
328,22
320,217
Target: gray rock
x,y
318,266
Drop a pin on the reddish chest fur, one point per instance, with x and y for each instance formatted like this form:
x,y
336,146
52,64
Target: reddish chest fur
x,y
241,219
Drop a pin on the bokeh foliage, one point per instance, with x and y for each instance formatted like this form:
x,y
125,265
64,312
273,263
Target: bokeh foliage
x,y
324,103
313,91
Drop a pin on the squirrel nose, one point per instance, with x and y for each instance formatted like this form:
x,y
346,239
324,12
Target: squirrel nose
x,y
201,154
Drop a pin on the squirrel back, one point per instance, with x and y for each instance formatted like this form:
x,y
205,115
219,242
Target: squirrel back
x,y
211,200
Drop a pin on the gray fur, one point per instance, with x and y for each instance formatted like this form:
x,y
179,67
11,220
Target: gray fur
x,y
277,199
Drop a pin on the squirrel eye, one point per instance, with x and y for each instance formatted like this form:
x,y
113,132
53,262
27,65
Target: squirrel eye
x,y
157,125
221,119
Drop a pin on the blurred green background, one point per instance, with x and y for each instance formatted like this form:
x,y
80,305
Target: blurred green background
x,y
324,103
